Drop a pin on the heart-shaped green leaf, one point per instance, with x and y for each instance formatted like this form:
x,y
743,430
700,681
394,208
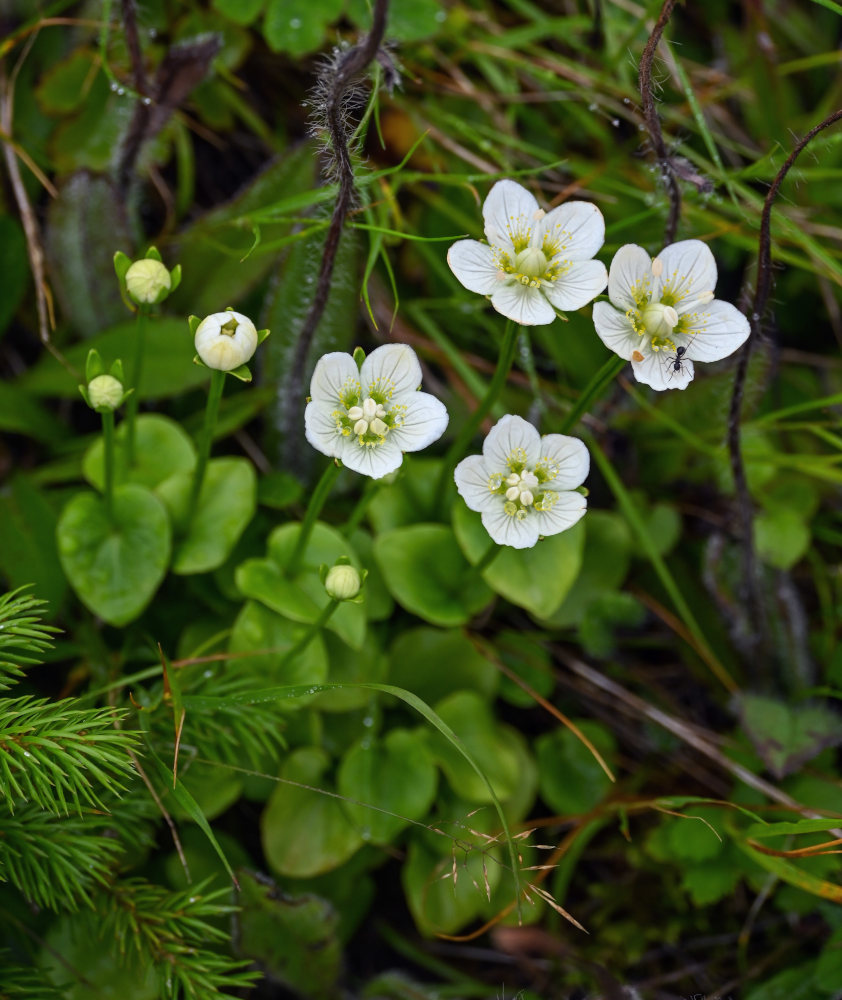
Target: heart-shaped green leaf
x,y
537,579
115,564
396,775
426,573
227,503
162,449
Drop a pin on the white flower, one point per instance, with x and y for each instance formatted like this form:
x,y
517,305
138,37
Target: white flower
x,y
663,315
368,417
524,484
225,340
535,261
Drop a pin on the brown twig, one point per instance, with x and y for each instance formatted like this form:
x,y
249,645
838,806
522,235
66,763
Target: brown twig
x,y
757,309
653,124
332,95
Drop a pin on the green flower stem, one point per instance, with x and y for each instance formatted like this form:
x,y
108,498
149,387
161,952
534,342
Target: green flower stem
x,y
595,388
310,634
488,557
457,449
314,508
211,413
108,457
358,513
133,401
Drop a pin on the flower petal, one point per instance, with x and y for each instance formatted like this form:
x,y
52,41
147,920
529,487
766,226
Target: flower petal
x,y
715,331
376,461
523,304
566,460
511,439
584,280
511,215
630,277
615,330
474,265
424,420
471,476
688,274
507,530
392,370
576,230
657,370
564,513
320,428
333,376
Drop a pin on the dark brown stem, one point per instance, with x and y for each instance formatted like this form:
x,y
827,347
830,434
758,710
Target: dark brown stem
x,y
653,123
133,45
758,306
354,62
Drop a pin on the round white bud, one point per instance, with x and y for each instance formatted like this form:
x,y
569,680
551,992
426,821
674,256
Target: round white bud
x,y
105,392
225,340
146,280
343,583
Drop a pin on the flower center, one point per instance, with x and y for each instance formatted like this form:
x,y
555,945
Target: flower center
x,y
521,492
659,320
368,419
531,262
229,328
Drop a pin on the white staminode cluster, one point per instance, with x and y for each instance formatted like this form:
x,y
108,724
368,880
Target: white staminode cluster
x,y
534,262
663,315
524,485
368,417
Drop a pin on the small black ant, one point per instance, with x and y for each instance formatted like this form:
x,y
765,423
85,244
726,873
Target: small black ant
x,y
677,361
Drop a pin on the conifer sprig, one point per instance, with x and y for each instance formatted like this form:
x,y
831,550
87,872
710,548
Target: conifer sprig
x,y
21,633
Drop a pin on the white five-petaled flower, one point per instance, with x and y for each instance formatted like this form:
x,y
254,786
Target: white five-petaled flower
x,y
368,417
524,485
535,262
663,315
225,340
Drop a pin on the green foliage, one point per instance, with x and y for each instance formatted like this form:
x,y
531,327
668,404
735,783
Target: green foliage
x,y
209,712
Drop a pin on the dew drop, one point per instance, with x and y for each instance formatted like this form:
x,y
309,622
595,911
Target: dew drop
x,y
113,86
441,15
641,128
153,32
120,91
208,673
365,744
365,833
295,23
592,106
756,317
147,100
368,721
626,101
615,122
26,753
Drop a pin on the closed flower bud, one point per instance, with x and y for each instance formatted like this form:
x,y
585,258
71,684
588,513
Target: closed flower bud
x,y
105,393
148,281
343,583
225,340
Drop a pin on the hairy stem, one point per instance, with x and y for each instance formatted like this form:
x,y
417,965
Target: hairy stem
x,y
653,124
354,62
758,306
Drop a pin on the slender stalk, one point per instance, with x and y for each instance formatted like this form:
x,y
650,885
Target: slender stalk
x,y
310,634
358,513
314,508
488,557
134,400
211,414
108,456
593,390
471,425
